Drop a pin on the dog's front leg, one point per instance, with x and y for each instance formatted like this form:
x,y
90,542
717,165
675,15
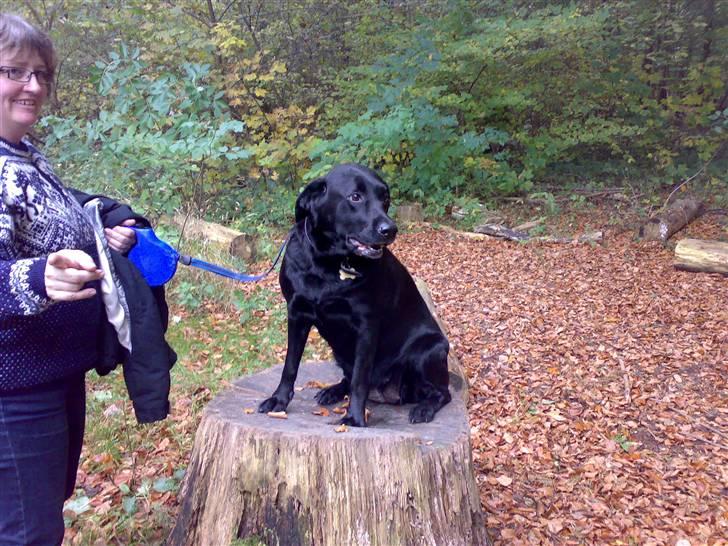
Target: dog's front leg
x,y
361,375
298,330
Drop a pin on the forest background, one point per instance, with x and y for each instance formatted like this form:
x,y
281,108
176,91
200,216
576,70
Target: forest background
x,y
224,109
227,107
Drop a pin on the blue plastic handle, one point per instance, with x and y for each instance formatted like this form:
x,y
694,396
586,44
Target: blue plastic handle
x,y
155,259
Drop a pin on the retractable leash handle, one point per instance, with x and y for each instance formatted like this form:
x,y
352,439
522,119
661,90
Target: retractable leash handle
x,y
157,260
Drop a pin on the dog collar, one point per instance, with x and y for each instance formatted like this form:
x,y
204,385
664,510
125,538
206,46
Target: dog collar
x,y
347,271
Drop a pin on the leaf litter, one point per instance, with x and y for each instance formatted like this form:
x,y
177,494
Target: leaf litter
x,y
598,397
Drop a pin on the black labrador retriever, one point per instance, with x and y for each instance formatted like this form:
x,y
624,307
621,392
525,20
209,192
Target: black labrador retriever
x,y
339,275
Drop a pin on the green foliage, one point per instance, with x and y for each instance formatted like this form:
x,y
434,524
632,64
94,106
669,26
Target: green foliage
x,y
213,108
164,140
573,90
408,132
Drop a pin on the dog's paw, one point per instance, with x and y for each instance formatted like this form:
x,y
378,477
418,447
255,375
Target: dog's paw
x,y
271,404
353,421
422,413
331,395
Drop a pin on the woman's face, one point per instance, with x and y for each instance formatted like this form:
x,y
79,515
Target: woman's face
x,y
20,102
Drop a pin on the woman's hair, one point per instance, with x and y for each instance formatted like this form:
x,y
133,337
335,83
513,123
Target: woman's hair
x,y
16,35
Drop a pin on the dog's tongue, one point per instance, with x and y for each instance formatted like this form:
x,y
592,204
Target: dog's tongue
x,y
366,251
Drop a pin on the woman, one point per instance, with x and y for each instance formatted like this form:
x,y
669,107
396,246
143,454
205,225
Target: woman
x,y
50,307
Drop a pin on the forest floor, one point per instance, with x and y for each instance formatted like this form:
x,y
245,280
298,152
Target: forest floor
x,y
599,385
598,393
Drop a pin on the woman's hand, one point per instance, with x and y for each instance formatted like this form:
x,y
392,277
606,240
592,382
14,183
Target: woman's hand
x,y
67,271
121,238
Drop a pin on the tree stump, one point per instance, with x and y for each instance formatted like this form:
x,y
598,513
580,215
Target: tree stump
x,y
702,256
297,481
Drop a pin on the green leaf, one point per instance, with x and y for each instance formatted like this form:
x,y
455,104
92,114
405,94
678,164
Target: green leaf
x,y
162,485
129,504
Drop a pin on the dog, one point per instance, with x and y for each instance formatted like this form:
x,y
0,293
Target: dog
x,y
339,276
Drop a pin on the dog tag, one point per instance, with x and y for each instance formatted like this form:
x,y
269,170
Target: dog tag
x,y
345,275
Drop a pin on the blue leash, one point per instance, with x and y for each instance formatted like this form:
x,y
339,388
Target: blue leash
x,y
157,261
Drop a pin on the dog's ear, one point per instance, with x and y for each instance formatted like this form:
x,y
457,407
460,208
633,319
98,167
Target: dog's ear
x,y
310,197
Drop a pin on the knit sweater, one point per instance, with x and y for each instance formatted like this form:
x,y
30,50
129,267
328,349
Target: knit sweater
x,y
40,341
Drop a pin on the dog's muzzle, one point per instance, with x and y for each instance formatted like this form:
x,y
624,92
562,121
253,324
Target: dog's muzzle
x,y
366,250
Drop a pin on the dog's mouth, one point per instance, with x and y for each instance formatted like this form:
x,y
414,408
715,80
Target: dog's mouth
x,y
366,250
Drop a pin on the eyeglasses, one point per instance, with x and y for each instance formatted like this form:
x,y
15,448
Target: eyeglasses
x,y
23,75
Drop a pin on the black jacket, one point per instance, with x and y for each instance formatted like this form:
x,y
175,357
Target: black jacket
x,y
147,367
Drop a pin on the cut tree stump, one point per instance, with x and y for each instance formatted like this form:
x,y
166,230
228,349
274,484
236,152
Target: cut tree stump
x,y
299,479
701,256
296,481
676,217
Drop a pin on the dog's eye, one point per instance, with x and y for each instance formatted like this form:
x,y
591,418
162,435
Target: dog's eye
x,y
355,197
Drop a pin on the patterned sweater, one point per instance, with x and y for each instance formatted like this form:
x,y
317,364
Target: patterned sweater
x,y
40,341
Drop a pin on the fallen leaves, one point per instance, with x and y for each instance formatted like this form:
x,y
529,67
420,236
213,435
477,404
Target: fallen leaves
x,y
505,481
598,386
598,405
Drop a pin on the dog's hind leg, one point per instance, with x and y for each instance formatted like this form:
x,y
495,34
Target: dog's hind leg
x,y
433,399
334,393
429,386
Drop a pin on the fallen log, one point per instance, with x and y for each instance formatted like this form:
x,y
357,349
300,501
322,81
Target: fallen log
x,y
676,217
237,243
701,256
500,231
300,479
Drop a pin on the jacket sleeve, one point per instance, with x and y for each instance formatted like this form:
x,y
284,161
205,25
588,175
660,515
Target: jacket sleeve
x,y
147,368
22,281
113,213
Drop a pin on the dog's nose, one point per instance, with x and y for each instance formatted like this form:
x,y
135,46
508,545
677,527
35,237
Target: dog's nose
x,y
387,230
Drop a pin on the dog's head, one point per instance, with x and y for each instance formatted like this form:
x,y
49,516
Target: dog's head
x,y
346,212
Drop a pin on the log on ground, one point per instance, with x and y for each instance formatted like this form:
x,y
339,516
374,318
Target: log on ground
x,y
702,256
676,217
503,232
296,481
237,243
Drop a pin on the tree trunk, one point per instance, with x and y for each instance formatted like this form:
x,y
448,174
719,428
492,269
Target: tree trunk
x,y
702,256
299,479
296,481
676,217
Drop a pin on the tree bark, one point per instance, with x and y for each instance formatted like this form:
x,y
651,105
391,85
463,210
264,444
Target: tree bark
x,y
296,481
702,256
676,217
299,479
